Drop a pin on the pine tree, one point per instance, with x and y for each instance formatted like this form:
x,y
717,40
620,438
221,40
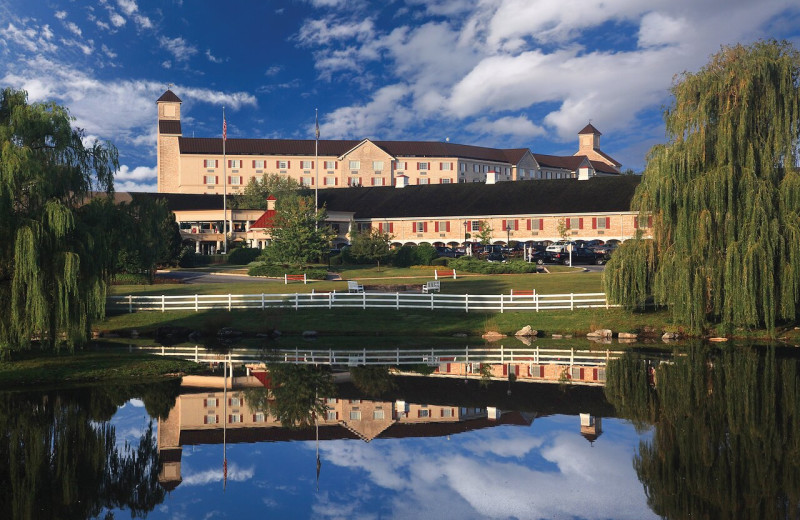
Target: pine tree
x,y
724,194
52,263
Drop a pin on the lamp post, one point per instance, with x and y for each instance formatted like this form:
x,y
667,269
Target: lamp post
x,y
508,235
466,225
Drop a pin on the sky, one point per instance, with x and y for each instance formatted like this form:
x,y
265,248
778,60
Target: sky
x,y
497,73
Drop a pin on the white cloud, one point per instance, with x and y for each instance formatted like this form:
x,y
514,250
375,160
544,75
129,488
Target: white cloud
x,y
143,22
178,47
211,57
32,39
117,20
61,15
73,28
108,52
235,474
273,70
505,126
140,173
166,64
128,6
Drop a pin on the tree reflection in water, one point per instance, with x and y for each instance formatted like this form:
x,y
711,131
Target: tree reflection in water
x,y
726,441
60,454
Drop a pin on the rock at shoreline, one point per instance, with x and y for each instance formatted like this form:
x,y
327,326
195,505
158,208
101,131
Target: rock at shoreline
x,y
493,335
600,333
670,336
526,331
627,335
310,333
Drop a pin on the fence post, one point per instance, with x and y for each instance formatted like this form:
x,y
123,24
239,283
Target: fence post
x,y
502,354
195,353
454,274
466,303
296,301
606,297
431,300
572,301
501,303
130,304
397,355
435,274
162,350
330,300
536,299
364,299
196,303
263,303
397,299
163,303
230,302
304,278
285,279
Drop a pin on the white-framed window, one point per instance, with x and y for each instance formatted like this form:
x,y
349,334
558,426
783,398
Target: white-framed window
x,y
355,415
259,164
446,166
446,181
236,401
306,165
354,181
485,168
420,227
236,180
423,181
259,417
355,165
210,179
574,223
377,166
378,181
330,165
476,168
211,418
423,166
330,181
377,415
234,164
399,165
602,222
463,167
423,413
306,181
282,165
447,412
210,402
330,400
209,163
442,226
332,415
235,418
475,225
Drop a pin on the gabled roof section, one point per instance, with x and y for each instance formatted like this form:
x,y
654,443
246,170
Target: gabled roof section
x,y
362,143
564,162
169,97
550,196
515,155
169,127
265,221
602,167
589,129
613,161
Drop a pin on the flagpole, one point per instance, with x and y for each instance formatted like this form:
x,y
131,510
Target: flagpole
x,y
225,186
316,159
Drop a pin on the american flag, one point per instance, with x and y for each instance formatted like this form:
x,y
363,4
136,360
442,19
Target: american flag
x,y
316,122
224,129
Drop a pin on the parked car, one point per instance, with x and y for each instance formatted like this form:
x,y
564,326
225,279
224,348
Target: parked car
x,y
580,255
496,257
449,252
559,247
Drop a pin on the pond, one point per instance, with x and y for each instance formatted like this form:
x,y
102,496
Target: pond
x,y
710,433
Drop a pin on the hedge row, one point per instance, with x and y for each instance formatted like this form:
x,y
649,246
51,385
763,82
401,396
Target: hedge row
x,y
473,265
278,270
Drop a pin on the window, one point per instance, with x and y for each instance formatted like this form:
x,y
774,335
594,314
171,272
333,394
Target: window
x,y
306,181
377,415
283,165
354,181
355,165
306,165
399,165
378,181
211,402
234,163
258,417
419,227
463,167
485,168
446,181
210,179
442,226
447,412
423,181
475,168
330,165
235,418
331,181
476,225
258,164
332,415
377,166
423,413
446,166
211,418
355,415
330,400
236,180
422,166
574,223
356,401
235,401
601,223
209,163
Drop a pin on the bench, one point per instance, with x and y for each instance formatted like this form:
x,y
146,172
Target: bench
x,y
294,278
429,287
354,287
523,293
447,272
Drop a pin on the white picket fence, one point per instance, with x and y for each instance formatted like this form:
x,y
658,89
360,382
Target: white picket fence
x,y
362,357
364,300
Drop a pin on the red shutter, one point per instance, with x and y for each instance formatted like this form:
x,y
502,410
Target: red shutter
x,y
205,419
229,179
391,227
413,227
288,164
568,223
436,226
608,222
335,164
254,163
448,226
580,223
312,181
417,166
650,221
480,226
440,166
216,163
241,417
516,225
528,224
504,225
594,223
505,370
424,227
277,164
216,179
451,167
541,224
312,164
448,368
635,222
336,181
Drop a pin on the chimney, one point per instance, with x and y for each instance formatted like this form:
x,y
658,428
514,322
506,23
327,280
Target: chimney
x,y
401,181
491,177
271,202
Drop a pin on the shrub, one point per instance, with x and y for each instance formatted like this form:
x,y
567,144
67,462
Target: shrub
x,y
130,279
404,257
425,254
442,261
278,270
473,265
197,260
243,255
336,259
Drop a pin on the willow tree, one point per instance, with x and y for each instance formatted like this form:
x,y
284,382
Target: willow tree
x,y
725,195
52,280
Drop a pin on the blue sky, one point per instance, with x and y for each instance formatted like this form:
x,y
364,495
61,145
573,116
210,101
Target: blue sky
x,y
505,73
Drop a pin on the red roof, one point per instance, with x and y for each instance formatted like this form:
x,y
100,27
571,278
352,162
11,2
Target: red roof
x,y
265,221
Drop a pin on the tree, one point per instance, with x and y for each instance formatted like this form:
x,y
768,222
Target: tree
x,y
370,244
53,266
257,190
724,196
300,234
485,233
